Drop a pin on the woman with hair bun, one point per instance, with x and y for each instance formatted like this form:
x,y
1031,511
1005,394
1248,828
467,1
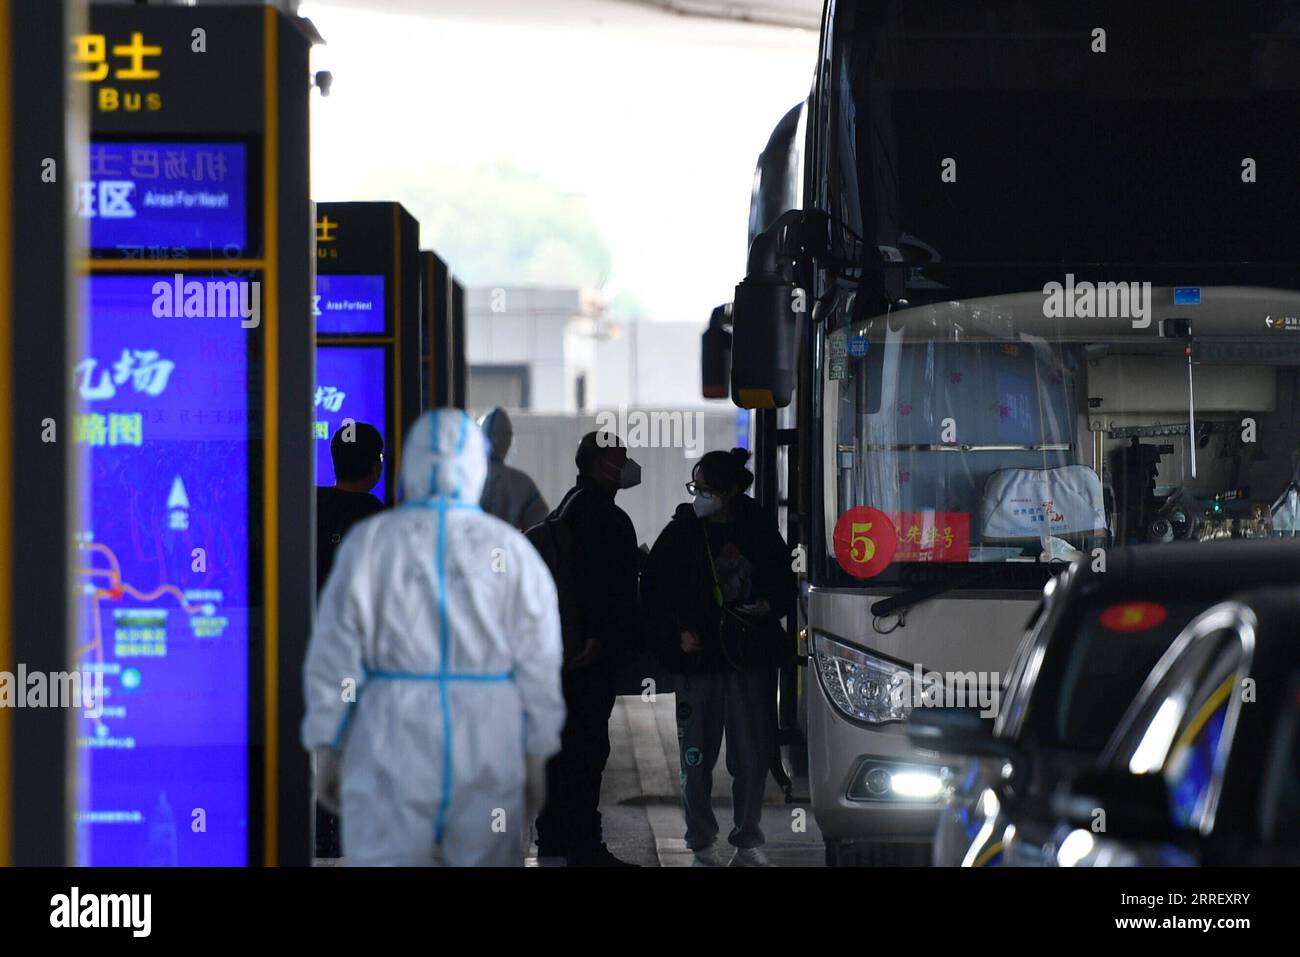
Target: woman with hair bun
x,y
715,588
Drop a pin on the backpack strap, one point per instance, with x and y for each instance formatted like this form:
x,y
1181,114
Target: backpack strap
x,y
562,510
565,584
708,550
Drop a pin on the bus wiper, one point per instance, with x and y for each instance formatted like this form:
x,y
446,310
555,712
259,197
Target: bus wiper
x,y
914,596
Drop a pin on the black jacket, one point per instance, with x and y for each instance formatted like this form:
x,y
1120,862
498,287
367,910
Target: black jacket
x,y
606,563
677,585
336,512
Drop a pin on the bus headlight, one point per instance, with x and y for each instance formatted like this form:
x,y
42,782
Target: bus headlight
x,y
917,785
863,686
889,781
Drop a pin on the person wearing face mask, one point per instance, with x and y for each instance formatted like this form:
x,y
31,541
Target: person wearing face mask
x,y
595,562
714,590
455,665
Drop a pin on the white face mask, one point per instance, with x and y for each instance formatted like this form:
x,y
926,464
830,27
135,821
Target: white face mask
x,y
706,504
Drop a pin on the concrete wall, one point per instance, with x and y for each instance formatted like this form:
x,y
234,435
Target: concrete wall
x,y
651,365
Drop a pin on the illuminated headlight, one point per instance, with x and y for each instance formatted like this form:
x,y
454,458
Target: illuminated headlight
x,y
887,781
1075,849
862,686
916,785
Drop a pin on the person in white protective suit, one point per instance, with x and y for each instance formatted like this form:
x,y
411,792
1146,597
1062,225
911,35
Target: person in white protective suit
x,y
509,494
445,622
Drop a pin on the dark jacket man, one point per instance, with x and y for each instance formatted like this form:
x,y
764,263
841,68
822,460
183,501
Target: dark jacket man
x,y
599,590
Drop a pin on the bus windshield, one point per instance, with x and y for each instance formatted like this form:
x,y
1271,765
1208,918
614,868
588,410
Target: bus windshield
x,y
985,431
1060,314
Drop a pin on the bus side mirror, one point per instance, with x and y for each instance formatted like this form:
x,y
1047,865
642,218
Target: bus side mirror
x,y
765,316
715,354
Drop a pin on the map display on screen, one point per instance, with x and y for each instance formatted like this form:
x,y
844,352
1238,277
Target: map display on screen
x,y
162,433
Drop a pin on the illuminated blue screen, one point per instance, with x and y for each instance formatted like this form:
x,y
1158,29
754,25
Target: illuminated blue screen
x,y
162,436
349,385
349,305
166,200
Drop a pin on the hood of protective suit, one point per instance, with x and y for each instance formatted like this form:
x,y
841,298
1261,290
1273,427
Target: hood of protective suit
x,y
445,455
499,432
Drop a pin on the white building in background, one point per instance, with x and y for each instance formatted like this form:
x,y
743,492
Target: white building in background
x,y
532,348
556,350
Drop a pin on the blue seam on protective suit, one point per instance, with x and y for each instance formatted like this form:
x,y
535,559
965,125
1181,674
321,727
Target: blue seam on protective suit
x,y
433,449
460,447
438,676
443,676
370,674
346,721
443,644
440,502
435,422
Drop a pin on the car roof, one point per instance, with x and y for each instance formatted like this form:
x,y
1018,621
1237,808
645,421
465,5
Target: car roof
x,y
1198,571
1223,566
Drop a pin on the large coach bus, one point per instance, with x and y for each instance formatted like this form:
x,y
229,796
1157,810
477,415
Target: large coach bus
x,y
1038,299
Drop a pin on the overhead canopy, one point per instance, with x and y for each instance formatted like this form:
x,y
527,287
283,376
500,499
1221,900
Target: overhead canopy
x,y
786,13
628,14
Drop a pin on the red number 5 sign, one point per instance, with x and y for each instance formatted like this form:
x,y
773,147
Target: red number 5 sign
x,y
865,541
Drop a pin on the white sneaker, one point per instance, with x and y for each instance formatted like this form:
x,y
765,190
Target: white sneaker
x,y
750,857
707,857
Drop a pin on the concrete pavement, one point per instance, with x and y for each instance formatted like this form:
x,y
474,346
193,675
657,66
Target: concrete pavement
x,y
641,807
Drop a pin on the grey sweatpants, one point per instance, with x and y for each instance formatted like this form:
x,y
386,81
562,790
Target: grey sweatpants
x,y
739,703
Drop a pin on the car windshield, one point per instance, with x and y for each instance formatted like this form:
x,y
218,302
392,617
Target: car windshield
x,y
1050,325
1111,644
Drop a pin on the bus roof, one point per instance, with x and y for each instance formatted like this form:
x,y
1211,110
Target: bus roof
x,y
1120,313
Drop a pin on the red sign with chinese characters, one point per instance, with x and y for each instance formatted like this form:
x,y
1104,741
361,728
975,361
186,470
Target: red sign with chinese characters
x,y
932,536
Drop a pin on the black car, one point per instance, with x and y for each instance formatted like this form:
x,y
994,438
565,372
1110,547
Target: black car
x,y
1205,766
1084,658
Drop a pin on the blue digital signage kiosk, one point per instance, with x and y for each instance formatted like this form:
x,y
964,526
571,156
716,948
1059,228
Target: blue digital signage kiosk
x,y
367,314
192,433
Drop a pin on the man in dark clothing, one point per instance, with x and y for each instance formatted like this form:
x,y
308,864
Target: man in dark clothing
x,y
358,453
714,590
603,565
